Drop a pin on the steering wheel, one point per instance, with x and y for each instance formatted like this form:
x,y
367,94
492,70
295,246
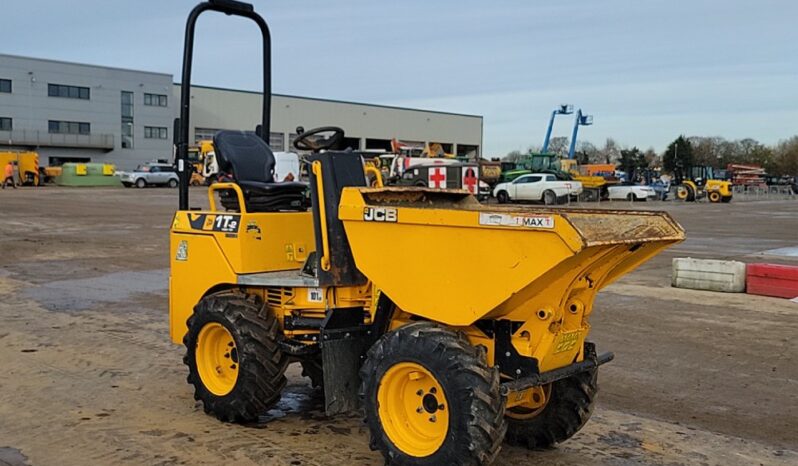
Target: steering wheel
x,y
307,141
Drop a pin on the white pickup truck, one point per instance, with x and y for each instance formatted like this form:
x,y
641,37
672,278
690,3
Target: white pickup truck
x,y
543,187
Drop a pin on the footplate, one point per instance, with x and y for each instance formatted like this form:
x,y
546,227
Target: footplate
x,y
590,362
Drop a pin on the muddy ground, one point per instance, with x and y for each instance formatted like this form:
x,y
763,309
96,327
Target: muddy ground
x,y
88,374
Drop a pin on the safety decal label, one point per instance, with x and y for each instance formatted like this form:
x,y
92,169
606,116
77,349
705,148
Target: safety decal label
x,y
523,221
315,295
225,223
182,251
566,341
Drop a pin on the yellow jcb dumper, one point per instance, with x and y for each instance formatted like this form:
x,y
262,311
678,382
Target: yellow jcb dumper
x,y
447,362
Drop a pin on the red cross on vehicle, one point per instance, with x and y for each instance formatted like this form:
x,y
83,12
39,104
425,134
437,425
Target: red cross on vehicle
x,y
470,180
437,177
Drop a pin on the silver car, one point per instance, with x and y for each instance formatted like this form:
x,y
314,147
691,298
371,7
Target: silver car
x,y
150,174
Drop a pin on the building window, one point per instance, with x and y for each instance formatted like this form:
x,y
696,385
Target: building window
x,y
5,85
155,100
71,92
127,119
203,134
5,124
155,132
68,127
277,142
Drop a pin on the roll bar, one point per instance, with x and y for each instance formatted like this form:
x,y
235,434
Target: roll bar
x,y
230,8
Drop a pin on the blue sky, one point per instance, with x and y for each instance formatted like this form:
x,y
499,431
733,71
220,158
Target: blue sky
x,y
647,70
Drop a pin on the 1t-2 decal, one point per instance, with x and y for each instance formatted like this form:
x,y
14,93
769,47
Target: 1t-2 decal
x,y
226,223
211,222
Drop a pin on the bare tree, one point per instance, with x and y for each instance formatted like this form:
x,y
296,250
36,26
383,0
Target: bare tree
x,y
587,153
653,160
513,156
786,157
611,152
559,145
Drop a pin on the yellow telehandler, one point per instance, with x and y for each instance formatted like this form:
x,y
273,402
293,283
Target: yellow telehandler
x,y
446,364
697,182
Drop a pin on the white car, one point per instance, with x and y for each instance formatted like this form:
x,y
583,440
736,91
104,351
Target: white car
x,y
632,193
536,187
150,174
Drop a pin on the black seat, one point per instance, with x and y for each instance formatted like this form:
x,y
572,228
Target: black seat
x,y
248,161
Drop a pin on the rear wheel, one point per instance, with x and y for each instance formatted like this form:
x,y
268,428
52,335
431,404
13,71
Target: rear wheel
x,y
549,198
234,360
502,197
631,197
431,399
565,408
589,195
140,183
172,183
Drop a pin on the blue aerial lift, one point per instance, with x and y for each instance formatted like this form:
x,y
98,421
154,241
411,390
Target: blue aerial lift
x,y
563,109
580,120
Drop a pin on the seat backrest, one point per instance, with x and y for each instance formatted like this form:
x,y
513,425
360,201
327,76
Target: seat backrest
x,y
244,154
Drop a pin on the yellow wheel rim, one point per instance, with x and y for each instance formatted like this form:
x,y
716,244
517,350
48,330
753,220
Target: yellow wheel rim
x,y
714,197
217,359
535,401
413,409
681,192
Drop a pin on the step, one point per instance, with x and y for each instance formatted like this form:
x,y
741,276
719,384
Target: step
x,y
708,274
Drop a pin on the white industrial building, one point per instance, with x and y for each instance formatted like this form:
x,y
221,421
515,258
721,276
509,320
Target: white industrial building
x,y
77,112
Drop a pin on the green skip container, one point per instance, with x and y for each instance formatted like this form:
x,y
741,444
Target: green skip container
x,y
88,174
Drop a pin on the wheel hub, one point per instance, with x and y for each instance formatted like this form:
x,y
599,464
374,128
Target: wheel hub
x,y
217,359
413,409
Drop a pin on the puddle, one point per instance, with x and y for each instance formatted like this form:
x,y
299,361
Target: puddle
x,y
787,252
84,293
12,457
296,400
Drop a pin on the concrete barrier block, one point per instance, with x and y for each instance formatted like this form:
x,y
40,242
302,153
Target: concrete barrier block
x,y
708,274
780,281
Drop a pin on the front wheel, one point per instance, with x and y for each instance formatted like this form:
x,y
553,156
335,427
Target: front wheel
x,y
431,399
233,356
140,183
631,197
502,197
714,196
685,192
172,183
561,410
726,199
